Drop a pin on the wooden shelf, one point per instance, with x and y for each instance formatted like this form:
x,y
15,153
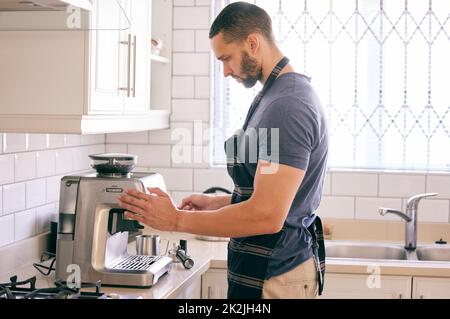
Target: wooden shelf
x,y
158,58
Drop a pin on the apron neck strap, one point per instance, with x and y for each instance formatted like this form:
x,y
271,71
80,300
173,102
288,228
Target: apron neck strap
x,y
272,77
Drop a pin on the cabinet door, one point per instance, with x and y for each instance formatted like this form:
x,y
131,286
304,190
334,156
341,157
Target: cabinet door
x,y
215,284
42,68
431,288
191,292
355,286
140,31
109,53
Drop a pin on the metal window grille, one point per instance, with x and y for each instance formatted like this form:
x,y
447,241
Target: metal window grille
x,y
381,70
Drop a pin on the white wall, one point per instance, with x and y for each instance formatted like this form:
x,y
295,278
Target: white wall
x,y
31,166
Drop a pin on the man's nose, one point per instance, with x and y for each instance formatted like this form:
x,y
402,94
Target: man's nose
x,y
226,71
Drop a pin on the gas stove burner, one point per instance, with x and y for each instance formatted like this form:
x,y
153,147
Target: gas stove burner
x,y
27,290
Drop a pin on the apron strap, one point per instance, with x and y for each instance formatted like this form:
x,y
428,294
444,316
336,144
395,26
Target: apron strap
x,y
272,77
316,231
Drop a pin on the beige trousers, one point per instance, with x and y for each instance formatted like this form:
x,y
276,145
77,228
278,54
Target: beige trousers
x,y
298,283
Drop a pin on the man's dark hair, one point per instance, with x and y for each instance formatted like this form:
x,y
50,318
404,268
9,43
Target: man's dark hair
x,y
237,20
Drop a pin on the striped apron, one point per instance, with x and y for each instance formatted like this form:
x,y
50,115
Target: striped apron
x,y
248,257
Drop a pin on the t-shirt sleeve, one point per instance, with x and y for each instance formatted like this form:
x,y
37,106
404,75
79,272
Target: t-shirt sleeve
x,y
287,132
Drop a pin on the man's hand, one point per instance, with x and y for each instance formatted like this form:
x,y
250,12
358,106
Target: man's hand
x,y
155,209
205,202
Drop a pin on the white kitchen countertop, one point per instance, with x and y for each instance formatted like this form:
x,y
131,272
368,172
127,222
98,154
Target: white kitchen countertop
x,y
208,255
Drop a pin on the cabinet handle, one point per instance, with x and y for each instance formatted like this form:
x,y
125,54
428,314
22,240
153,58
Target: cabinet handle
x,y
209,292
400,296
128,88
134,67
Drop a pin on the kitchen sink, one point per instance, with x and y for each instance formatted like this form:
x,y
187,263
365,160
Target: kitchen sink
x,y
433,253
366,251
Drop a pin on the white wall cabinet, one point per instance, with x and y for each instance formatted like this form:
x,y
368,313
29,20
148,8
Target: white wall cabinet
x,y
431,288
215,284
356,286
95,79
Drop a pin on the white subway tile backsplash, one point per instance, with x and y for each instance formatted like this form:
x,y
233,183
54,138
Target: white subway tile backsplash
x,y
189,156
14,142
6,230
337,207
191,18
92,139
64,163
183,87
1,201
35,193
190,110
13,198
203,2
431,210
43,217
24,166
191,63
179,133
356,184
128,138
24,224
6,169
206,178
202,87
202,41
401,185
327,184
151,155
1,143
116,148
45,163
79,161
37,142
183,41
367,208
72,140
177,3
177,179
52,190
55,140
439,184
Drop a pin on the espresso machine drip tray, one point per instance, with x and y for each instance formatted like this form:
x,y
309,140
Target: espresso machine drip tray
x,y
135,262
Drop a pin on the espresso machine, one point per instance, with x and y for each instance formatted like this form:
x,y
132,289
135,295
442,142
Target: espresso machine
x,y
93,233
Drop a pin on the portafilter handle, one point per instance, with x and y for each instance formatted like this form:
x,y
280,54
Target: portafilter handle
x,y
187,262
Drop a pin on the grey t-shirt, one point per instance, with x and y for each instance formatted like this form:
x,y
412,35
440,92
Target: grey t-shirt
x,y
291,109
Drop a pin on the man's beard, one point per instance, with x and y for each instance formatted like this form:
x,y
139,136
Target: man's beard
x,y
251,71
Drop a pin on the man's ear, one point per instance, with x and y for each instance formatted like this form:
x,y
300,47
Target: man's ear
x,y
253,42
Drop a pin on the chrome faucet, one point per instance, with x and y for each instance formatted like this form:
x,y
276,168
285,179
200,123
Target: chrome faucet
x,y
410,217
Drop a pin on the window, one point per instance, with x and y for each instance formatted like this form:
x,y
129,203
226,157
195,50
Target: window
x,y
381,70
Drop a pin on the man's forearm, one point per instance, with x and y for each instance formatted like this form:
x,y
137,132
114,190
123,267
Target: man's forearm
x,y
238,220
